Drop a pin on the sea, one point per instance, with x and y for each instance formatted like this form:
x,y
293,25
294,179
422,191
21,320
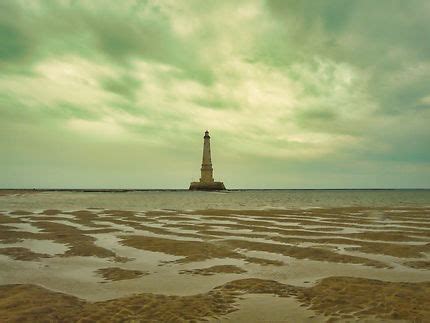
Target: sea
x,y
230,199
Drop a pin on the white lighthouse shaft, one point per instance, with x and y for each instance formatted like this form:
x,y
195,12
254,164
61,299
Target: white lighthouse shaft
x,y
207,170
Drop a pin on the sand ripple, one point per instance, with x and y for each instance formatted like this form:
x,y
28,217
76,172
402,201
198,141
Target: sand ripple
x,y
327,259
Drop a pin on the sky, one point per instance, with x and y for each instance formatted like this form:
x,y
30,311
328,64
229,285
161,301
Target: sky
x,y
295,94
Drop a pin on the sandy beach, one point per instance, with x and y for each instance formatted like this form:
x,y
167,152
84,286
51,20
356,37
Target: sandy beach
x,y
291,265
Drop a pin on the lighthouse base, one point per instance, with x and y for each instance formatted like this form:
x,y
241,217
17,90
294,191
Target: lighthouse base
x,y
199,186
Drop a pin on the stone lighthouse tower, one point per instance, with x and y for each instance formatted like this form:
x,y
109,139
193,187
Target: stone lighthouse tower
x,y
207,182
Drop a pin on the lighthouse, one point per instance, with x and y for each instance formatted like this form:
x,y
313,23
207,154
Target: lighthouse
x,y
206,182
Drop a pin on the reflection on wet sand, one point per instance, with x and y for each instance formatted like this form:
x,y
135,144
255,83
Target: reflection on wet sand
x,y
194,265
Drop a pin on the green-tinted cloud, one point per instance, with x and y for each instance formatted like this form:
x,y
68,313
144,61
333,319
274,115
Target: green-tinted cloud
x,y
125,86
308,93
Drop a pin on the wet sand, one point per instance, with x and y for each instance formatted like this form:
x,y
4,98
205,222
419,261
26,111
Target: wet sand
x,y
315,264
116,273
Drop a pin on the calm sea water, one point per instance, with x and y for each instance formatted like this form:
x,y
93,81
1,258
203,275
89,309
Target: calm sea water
x,y
186,200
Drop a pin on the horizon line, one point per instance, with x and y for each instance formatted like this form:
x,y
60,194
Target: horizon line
x,y
185,189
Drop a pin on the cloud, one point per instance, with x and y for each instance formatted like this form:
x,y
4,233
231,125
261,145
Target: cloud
x,y
125,86
310,86
386,39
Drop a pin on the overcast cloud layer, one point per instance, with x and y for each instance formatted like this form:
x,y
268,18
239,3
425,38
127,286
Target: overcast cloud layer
x,y
296,94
